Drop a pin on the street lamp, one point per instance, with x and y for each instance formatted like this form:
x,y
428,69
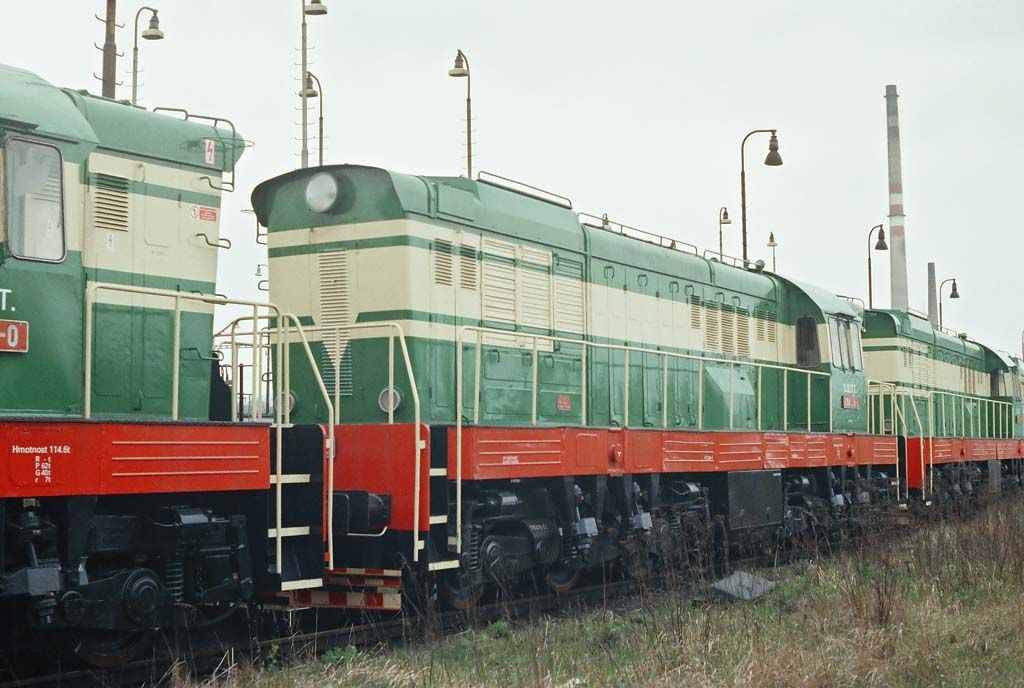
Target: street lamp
x,y
723,219
313,93
772,244
459,70
153,33
880,245
773,159
314,8
953,294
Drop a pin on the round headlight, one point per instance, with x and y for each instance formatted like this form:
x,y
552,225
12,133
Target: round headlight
x,y
389,400
321,192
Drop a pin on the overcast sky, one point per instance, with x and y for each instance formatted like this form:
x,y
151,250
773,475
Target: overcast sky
x,y
631,108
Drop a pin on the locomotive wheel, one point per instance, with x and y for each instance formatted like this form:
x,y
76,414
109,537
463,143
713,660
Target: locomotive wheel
x,y
562,579
106,649
456,592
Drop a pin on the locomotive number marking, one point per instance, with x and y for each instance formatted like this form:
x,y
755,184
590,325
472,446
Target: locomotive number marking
x,y
4,293
14,336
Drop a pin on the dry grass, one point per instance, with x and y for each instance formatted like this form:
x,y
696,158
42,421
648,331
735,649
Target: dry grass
x,y
939,607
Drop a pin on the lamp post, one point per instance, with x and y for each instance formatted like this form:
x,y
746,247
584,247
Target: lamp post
x,y
880,245
314,93
953,294
314,8
459,70
773,159
723,219
772,244
153,33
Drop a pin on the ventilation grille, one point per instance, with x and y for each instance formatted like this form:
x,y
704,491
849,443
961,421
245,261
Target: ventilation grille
x,y
711,329
110,202
743,334
499,287
761,322
335,312
535,292
443,262
728,330
468,275
772,327
568,296
695,312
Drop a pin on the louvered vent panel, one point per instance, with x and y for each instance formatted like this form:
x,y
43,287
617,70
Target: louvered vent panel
x,y
468,273
569,304
695,311
335,312
711,329
535,292
743,334
110,202
443,262
760,327
772,328
728,317
499,283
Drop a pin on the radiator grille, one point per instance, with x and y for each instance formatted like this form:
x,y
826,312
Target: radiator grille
x,y
335,312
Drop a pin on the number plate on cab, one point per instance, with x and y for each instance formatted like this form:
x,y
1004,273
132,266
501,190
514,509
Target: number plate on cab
x,y
851,401
14,336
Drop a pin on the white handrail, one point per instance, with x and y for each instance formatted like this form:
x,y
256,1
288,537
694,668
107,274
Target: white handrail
x,y
585,346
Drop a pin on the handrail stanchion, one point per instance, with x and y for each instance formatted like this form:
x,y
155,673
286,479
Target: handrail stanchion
x,y
625,383
785,401
583,381
337,374
700,394
255,402
808,402
476,378
732,368
391,379
533,385
664,391
759,378
176,358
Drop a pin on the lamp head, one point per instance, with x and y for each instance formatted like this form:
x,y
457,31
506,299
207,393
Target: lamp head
x,y
153,33
315,8
954,294
880,245
308,90
773,159
771,240
724,219
460,68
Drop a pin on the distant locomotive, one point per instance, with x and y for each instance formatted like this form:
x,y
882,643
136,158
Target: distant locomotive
x,y
460,382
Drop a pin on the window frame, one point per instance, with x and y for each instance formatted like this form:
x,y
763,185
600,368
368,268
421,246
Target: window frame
x,y
856,346
813,329
6,209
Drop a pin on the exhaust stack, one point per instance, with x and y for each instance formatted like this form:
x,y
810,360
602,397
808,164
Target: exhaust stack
x,y
900,299
933,297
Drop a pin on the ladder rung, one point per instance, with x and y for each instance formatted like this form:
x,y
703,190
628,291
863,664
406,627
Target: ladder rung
x,y
443,565
289,532
302,584
437,520
291,478
438,472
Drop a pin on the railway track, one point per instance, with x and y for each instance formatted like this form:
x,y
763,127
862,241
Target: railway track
x,y
245,639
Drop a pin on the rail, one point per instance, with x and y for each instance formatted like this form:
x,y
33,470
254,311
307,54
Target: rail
x,y
179,298
585,347
396,333
994,421
625,230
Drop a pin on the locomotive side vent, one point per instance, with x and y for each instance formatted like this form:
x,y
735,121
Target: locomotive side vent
x,y
695,311
743,333
468,274
711,332
728,330
771,326
110,202
335,311
443,262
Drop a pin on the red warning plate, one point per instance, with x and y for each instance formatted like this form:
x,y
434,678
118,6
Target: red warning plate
x,y
14,336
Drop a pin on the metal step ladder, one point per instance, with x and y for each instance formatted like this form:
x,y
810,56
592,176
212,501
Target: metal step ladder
x,y
442,552
295,551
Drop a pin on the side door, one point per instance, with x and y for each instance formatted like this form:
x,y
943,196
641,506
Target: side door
x,y
41,291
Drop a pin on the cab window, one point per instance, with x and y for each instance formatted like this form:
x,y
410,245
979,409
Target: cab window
x,y
35,200
833,335
856,347
808,355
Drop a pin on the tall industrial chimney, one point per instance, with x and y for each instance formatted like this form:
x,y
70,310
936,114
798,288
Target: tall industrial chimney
x,y
933,297
900,299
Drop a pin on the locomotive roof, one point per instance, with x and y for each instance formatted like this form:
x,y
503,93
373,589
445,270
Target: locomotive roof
x,y
33,106
369,194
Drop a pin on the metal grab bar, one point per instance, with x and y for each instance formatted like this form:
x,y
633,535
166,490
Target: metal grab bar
x,y
585,347
222,242
395,333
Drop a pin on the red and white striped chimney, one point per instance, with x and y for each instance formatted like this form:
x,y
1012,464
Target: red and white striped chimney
x,y
900,299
